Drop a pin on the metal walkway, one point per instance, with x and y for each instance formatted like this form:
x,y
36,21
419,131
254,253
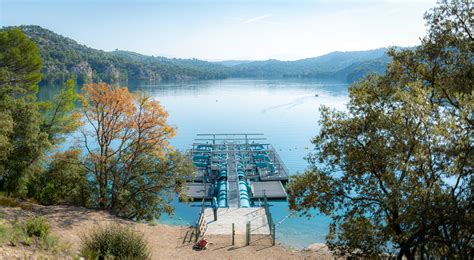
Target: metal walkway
x,y
232,179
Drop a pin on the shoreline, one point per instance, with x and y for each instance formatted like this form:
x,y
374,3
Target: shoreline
x,y
164,241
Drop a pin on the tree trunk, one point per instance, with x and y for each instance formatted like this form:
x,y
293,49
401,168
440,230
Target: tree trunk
x,y
102,191
405,252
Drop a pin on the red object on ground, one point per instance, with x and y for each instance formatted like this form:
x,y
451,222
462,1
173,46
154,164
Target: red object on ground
x,y
201,244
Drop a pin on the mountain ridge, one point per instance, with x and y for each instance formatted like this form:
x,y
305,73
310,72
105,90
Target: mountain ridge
x,y
65,58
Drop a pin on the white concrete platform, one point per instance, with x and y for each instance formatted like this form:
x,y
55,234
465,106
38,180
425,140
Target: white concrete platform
x,y
271,189
238,216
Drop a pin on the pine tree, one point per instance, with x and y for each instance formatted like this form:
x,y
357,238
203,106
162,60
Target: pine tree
x,y
22,142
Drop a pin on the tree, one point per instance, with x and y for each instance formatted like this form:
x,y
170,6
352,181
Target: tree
x,y
60,115
20,64
395,170
28,128
22,142
133,169
63,182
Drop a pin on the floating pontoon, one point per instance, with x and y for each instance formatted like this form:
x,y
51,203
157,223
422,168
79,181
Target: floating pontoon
x,y
235,170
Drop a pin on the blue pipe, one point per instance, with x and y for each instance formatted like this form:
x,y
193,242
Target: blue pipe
x,y
200,164
244,195
200,157
222,173
222,194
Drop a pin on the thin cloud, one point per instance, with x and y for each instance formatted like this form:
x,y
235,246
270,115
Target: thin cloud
x,y
256,19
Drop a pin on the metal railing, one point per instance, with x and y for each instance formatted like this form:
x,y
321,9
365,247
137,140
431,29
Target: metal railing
x,y
201,224
281,165
271,225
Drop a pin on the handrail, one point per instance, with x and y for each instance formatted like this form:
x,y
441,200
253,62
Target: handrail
x,y
271,225
280,161
201,224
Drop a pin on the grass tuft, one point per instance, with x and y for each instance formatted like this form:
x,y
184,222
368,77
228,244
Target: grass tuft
x,y
37,227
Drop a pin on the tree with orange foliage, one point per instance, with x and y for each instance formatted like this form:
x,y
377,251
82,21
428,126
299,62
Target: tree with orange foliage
x,y
132,168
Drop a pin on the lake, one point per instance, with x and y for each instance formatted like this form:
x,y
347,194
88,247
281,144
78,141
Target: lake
x,y
285,110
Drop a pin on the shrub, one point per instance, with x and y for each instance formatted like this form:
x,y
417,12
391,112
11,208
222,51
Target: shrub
x,y
114,241
36,232
49,242
15,234
63,182
37,226
8,202
4,234
12,202
33,232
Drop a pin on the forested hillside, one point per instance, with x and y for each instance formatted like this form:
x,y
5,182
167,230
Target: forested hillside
x,y
64,58
348,66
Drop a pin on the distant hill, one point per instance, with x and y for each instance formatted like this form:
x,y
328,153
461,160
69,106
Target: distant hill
x,y
191,63
64,58
232,63
349,66
358,70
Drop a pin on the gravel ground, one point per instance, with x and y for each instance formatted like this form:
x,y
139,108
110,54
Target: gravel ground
x,y
165,242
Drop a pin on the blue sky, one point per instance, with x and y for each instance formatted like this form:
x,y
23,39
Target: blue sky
x,y
227,29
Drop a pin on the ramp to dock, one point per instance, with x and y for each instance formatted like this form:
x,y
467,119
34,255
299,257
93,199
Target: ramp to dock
x,y
232,180
238,216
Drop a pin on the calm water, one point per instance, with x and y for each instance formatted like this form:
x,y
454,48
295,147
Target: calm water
x,y
286,111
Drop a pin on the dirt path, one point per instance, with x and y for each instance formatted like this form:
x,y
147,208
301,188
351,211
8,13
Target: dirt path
x,y
165,242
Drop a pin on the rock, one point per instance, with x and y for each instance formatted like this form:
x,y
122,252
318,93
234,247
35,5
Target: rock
x,y
83,71
319,248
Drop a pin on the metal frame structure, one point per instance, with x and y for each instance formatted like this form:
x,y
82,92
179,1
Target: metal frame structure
x,y
230,163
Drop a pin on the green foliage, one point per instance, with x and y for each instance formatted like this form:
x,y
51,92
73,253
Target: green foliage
x,y
21,141
8,202
395,170
6,129
4,234
66,59
33,232
150,195
37,226
114,241
63,182
141,176
49,242
14,202
59,115
347,66
25,133
16,234
27,144
131,168
20,64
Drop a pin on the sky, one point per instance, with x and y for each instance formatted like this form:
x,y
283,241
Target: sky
x,y
227,29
